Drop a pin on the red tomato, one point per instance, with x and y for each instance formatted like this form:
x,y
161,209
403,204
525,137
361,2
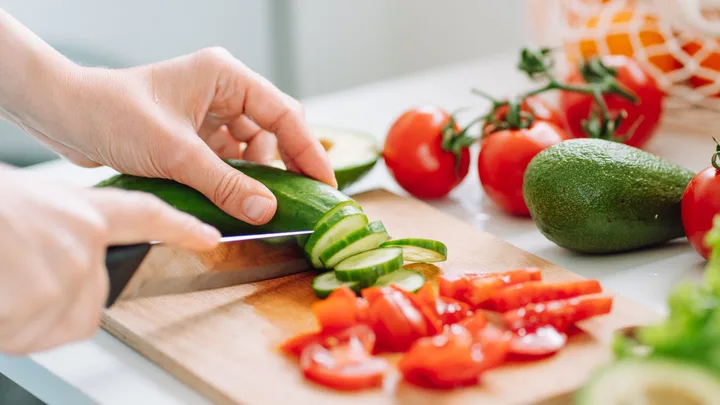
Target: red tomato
x,y
559,314
447,310
700,204
541,342
475,322
535,105
451,359
341,309
361,333
347,366
476,289
414,154
397,321
516,296
643,116
503,158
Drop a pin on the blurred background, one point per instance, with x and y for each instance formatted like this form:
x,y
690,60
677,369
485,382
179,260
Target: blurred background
x,y
306,47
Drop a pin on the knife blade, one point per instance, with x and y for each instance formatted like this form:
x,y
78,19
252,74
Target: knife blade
x,y
153,268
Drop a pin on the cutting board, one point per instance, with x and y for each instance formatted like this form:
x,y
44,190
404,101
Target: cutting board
x,y
223,342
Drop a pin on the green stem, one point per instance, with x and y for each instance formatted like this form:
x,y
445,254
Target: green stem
x,y
716,155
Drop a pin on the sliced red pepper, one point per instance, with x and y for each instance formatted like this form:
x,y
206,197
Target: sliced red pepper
x,y
559,314
475,289
516,296
345,366
340,310
451,359
543,341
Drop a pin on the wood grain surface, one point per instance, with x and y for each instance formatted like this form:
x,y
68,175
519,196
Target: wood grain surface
x,y
223,342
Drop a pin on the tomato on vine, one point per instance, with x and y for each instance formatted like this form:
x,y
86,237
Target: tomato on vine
x,y
700,203
427,152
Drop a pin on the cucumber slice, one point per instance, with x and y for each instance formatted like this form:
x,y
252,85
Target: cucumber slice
x,y
651,381
326,283
408,280
369,237
420,250
367,266
302,239
338,223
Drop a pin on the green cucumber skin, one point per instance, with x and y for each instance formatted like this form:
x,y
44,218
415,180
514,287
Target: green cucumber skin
x,y
323,227
301,201
321,292
368,277
401,274
339,245
429,244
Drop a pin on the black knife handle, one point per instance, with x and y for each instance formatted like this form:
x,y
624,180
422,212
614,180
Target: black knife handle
x,y
122,262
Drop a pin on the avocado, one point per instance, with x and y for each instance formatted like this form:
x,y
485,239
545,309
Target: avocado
x,y
598,196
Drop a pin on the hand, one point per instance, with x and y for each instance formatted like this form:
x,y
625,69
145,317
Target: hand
x,y
52,244
175,119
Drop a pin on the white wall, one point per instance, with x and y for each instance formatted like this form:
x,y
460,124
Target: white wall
x,y
342,43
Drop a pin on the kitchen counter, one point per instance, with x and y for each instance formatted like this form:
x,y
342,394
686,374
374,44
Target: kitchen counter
x,y
103,370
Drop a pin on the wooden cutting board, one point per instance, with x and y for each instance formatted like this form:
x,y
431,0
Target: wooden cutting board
x,y
223,342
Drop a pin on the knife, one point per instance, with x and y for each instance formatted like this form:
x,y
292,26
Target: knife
x,y
154,268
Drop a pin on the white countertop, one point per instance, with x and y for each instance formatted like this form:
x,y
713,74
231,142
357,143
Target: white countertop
x,y
103,370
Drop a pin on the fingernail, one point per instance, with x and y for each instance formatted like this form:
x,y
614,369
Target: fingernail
x,y
210,233
256,207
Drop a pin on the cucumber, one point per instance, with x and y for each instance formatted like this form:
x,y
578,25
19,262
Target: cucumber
x,y
420,250
367,266
352,153
366,238
329,216
301,201
409,280
327,282
337,224
651,381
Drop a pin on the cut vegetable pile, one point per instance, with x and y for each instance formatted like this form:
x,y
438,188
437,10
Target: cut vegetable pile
x,y
447,339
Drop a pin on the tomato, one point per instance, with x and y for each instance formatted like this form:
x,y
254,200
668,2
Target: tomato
x,y
446,310
643,117
414,154
541,109
452,359
503,158
475,322
543,341
346,366
475,289
516,296
559,314
341,309
700,203
362,333
397,321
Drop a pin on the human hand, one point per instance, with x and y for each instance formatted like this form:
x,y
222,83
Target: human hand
x,y
174,119
53,240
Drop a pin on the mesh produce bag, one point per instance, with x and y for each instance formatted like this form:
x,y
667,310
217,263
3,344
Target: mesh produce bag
x,y
676,41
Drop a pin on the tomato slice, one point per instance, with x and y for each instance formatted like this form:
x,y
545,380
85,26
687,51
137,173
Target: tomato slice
x,y
341,309
447,310
475,289
429,311
516,296
451,359
397,321
475,322
559,314
328,338
346,366
543,341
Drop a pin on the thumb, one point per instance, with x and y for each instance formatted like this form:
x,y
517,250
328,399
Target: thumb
x,y
137,217
232,191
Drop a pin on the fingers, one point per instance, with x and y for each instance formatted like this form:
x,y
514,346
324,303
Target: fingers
x,y
136,217
224,145
262,146
242,91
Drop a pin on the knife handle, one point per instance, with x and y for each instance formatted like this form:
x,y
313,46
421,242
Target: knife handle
x,y
121,262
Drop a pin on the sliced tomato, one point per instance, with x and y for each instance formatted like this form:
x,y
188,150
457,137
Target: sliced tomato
x,y
475,289
559,314
328,338
341,309
475,322
543,341
346,366
447,310
451,359
397,320
516,296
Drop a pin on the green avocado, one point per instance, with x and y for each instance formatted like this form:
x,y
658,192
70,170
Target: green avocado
x,y
597,196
